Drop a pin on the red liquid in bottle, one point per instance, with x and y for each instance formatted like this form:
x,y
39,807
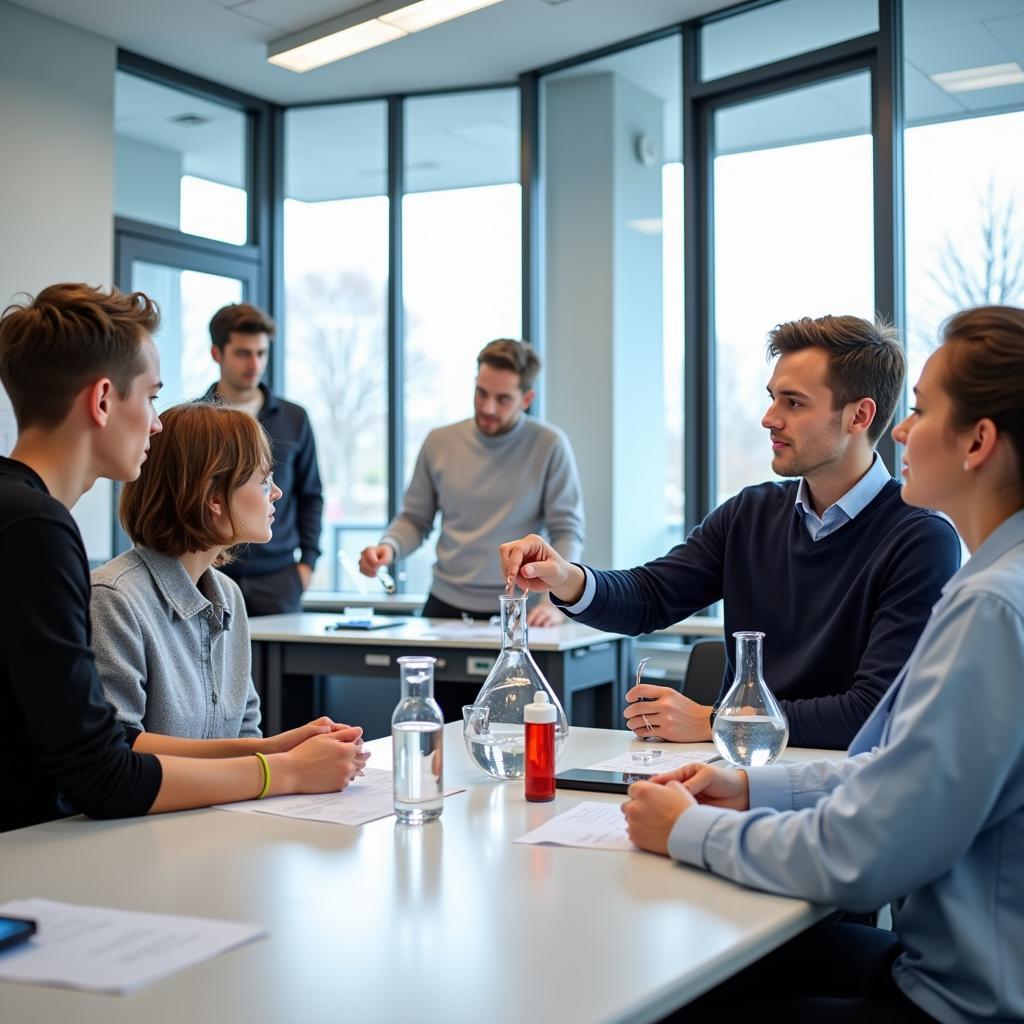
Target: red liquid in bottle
x,y
540,761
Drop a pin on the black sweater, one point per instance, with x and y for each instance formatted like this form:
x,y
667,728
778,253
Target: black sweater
x,y
841,615
61,748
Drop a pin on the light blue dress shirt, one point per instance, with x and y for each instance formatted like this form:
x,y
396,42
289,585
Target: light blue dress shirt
x,y
848,507
926,811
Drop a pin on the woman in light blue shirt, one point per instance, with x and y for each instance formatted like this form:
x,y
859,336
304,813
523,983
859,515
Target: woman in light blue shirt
x,y
170,631
927,810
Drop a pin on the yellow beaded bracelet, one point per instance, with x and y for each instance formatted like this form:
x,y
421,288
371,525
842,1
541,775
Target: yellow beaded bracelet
x,y
266,775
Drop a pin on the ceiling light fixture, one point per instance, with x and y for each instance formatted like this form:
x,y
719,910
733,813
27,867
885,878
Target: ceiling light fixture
x,y
363,29
989,77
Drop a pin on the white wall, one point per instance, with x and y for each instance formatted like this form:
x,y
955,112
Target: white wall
x,y
56,180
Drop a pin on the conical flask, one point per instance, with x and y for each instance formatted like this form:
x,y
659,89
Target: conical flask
x,y
493,727
750,728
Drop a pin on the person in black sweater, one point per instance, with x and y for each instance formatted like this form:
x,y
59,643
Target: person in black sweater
x,y
833,567
82,373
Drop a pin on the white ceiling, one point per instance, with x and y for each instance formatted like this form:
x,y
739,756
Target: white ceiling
x,y
472,138
226,40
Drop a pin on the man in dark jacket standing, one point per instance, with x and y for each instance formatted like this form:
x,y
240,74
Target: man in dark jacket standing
x,y
271,579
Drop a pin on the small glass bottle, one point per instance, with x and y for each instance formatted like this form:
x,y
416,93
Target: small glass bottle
x,y
540,718
494,730
749,727
417,731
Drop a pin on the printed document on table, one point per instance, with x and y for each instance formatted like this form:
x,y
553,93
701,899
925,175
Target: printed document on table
x,y
365,799
104,950
589,824
667,762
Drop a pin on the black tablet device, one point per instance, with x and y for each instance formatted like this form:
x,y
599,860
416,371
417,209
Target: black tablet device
x,y
600,782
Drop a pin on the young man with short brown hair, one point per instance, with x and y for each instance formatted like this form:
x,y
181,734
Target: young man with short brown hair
x,y
82,373
832,566
270,579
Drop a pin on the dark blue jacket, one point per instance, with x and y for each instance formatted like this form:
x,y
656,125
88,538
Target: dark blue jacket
x,y
841,615
298,513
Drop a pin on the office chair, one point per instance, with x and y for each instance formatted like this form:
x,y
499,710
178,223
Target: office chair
x,y
704,671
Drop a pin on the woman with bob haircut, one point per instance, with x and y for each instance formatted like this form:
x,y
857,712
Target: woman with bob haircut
x,y
927,809
169,630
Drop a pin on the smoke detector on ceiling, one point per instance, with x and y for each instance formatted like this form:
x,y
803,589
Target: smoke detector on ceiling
x,y
553,2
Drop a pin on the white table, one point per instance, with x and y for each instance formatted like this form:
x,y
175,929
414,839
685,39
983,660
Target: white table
x,y
589,670
444,924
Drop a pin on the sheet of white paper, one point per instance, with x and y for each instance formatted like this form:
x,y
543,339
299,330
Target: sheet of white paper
x,y
465,631
589,824
365,799
668,761
104,950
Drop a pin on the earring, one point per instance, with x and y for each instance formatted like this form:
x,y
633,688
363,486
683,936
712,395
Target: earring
x,y
967,465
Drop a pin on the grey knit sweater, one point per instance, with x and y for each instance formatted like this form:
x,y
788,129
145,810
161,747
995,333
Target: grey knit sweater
x,y
488,490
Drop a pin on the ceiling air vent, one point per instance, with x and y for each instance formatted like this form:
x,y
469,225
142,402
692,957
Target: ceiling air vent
x,y
189,120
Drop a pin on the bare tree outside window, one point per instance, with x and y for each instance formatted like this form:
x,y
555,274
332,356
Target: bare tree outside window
x,y
980,266
336,323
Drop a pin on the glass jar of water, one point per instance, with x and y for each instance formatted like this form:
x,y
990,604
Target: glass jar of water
x,y
750,728
417,730
493,726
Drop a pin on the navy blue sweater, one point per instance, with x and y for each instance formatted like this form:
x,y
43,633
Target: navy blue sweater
x,y
841,615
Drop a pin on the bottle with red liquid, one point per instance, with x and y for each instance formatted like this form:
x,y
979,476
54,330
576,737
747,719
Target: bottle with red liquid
x,y
539,718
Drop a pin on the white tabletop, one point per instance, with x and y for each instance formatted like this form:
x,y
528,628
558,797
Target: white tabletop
x,y
311,627
442,924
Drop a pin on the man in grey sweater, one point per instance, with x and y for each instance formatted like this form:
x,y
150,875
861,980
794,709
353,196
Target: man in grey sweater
x,y
498,472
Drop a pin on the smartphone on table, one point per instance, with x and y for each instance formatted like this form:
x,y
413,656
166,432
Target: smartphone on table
x,y
14,930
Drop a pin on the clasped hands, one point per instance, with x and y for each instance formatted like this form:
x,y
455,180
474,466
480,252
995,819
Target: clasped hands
x,y
322,748
654,807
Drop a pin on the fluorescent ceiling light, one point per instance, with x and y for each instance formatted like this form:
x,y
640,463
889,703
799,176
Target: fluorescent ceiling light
x,y
333,47
363,29
426,13
989,77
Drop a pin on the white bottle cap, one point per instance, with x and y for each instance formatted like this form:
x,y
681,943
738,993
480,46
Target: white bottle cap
x,y
541,711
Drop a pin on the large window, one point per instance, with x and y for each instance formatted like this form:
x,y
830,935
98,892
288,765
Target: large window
x,y
461,256
187,300
783,29
335,322
964,149
793,227
461,249
180,161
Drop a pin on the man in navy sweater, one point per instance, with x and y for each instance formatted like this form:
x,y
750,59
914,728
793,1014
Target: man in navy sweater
x,y
832,566
270,579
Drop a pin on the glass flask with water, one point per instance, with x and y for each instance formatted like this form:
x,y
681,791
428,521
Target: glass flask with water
x,y
493,727
750,728
416,737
